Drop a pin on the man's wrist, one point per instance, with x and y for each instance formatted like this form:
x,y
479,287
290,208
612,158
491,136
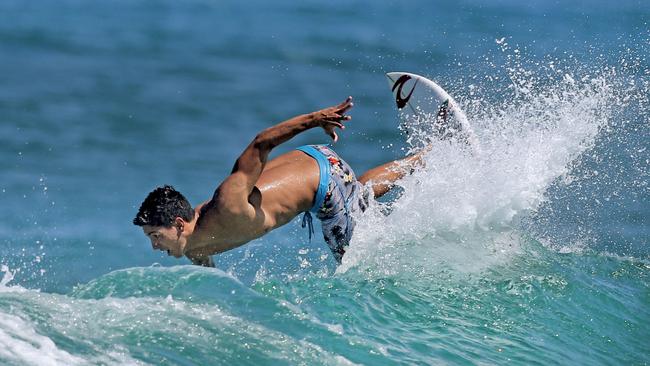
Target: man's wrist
x,y
311,119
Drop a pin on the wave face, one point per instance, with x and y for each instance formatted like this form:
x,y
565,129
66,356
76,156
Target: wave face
x,y
539,308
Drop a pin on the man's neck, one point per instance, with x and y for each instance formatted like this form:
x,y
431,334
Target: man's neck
x,y
188,231
191,229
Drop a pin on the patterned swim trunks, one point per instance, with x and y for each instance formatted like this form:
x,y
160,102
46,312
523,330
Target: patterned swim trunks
x,y
339,196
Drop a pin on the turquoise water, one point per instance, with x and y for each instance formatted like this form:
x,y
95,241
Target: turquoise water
x,y
534,252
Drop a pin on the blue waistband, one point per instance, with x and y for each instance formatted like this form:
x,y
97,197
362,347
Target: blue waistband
x,y
324,170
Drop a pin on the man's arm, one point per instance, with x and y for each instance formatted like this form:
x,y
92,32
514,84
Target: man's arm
x,y
234,193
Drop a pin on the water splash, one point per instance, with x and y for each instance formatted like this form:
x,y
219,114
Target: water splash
x,y
465,210
6,277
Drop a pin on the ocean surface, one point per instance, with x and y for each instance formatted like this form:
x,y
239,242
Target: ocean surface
x,y
535,252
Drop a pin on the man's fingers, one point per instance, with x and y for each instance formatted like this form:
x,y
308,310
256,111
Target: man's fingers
x,y
347,104
334,117
331,132
337,113
346,101
336,121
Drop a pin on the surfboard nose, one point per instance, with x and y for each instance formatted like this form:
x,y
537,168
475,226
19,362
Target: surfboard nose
x,y
393,76
424,98
397,82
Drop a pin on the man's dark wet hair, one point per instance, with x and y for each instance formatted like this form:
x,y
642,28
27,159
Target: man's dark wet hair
x,y
162,206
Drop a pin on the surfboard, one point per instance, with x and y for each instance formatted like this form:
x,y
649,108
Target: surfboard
x,y
423,102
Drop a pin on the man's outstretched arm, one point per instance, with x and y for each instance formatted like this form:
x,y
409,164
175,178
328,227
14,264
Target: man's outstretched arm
x,y
235,191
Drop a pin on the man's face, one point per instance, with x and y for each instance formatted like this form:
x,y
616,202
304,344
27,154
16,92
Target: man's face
x,y
165,239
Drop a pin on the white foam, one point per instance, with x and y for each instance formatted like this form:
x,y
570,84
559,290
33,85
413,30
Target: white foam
x,y
7,277
22,344
90,322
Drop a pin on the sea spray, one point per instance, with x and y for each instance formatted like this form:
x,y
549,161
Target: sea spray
x,y
465,210
6,277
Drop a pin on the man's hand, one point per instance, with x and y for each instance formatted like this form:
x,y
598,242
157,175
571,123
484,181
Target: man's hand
x,y
331,118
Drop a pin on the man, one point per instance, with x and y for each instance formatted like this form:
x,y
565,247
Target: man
x,y
261,195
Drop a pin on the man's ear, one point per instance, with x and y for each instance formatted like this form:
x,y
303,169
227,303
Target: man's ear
x,y
179,223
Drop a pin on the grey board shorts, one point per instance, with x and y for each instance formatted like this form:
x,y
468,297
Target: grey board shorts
x,y
338,197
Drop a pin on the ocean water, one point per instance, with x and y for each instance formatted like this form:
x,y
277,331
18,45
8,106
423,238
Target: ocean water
x,y
533,252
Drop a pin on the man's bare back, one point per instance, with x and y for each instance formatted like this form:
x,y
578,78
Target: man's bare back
x,y
284,189
259,195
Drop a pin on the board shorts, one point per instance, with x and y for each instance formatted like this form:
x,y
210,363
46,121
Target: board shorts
x,y
338,198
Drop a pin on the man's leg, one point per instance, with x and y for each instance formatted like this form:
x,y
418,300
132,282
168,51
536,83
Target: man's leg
x,y
383,177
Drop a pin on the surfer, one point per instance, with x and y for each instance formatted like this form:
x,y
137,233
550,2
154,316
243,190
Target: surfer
x,y
261,195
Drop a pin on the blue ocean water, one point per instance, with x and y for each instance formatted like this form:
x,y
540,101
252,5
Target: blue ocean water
x,y
535,252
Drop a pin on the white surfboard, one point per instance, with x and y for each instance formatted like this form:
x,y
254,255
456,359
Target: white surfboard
x,y
427,102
